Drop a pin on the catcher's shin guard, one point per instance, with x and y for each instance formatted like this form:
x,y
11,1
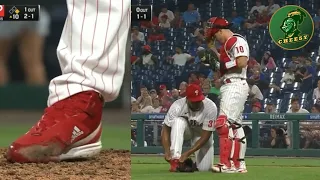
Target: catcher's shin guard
x,y
239,146
225,142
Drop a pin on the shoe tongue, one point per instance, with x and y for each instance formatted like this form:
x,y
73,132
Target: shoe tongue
x,y
45,123
59,105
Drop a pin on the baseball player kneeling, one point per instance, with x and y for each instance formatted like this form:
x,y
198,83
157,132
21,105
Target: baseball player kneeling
x,y
190,118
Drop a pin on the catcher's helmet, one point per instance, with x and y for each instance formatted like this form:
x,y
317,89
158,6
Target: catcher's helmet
x,y
214,24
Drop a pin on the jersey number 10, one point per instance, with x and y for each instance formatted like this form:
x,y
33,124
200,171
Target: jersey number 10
x,y
240,49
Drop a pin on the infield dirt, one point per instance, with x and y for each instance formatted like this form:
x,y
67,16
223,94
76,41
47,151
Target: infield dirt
x,y
110,164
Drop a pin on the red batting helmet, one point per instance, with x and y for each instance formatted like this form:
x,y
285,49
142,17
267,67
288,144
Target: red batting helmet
x,y
214,24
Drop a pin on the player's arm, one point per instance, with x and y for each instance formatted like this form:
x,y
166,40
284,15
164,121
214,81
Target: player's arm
x,y
216,52
207,129
165,137
189,57
242,61
205,135
239,48
166,128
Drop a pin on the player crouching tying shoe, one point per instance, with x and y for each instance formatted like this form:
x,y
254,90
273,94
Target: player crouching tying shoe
x,y
233,56
190,118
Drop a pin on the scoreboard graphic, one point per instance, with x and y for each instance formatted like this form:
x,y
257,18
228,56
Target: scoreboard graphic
x,y
32,12
19,12
141,12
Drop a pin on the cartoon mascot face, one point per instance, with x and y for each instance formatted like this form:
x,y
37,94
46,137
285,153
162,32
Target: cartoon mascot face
x,y
290,23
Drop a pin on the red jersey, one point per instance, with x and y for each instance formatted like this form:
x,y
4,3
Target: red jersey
x,y
263,19
161,96
133,59
156,37
147,24
252,63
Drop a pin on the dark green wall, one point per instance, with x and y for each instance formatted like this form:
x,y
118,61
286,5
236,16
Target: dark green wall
x,y
21,96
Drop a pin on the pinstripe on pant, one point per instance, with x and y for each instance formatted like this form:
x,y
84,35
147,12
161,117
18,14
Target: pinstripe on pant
x,y
233,98
91,49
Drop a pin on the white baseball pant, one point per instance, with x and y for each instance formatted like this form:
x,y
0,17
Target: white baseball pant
x,y
181,131
233,98
92,49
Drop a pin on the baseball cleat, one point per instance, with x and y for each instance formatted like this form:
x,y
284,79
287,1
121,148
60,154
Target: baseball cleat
x,y
69,129
174,164
221,168
242,168
84,148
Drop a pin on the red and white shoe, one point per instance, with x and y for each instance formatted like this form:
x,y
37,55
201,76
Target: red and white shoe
x,y
221,168
69,129
174,164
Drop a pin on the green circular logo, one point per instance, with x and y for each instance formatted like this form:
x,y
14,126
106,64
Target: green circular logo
x,y
291,27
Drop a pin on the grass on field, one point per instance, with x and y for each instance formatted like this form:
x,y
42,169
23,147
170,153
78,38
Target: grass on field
x,y
116,137
259,168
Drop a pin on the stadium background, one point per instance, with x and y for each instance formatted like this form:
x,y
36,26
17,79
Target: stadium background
x,y
157,81
22,103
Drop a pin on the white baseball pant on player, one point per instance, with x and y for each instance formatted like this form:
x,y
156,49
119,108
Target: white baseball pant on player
x,y
233,98
181,131
92,47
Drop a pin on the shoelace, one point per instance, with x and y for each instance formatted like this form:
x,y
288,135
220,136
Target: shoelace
x,y
46,121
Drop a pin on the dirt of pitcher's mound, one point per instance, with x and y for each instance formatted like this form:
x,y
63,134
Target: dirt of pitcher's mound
x,y
110,164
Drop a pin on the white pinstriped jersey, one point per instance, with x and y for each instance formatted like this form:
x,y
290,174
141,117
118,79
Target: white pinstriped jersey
x,y
203,119
240,48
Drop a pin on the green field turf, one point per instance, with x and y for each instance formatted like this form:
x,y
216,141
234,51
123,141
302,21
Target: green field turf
x,y
116,137
155,168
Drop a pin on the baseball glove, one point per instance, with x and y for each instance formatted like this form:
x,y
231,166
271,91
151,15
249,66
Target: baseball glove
x,y
187,166
210,59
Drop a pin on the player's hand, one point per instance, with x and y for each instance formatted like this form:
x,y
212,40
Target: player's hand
x,y
183,157
167,156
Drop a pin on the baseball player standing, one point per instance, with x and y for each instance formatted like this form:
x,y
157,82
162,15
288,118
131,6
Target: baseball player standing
x,y
190,118
233,55
91,54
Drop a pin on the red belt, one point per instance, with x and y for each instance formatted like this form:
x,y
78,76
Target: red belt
x,y
229,80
